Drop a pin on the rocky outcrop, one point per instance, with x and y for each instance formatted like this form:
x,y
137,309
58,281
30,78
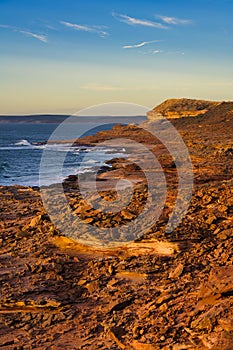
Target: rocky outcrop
x,y
181,107
169,290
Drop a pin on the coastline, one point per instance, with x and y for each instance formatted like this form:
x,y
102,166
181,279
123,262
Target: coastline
x,y
55,290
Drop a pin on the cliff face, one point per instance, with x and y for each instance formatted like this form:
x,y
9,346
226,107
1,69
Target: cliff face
x,y
183,107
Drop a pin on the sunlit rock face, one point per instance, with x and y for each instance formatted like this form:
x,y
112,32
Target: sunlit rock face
x,y
183,107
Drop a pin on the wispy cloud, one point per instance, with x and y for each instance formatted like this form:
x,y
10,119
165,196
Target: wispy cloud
x,y
42,24
152,52
40,37
155,52
97,87
140,44
84,28
135,21
174,20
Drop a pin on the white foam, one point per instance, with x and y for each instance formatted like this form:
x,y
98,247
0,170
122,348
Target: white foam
x,y
23,143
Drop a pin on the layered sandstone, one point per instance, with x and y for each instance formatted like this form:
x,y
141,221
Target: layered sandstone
x,y
181,107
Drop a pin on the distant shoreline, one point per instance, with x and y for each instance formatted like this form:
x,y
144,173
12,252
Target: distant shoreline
x,y
56,119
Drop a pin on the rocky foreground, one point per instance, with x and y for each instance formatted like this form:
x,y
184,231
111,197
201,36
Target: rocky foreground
x,y
169,291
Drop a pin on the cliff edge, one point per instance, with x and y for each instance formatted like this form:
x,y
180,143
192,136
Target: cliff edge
x,y
181,107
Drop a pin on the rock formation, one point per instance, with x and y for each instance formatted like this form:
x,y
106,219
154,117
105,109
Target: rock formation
x,y
169,291
181,107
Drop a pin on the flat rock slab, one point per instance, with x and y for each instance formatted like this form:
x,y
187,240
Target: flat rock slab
x,y
153,247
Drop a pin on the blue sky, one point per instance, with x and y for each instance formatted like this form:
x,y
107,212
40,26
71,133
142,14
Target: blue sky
x,y
58,56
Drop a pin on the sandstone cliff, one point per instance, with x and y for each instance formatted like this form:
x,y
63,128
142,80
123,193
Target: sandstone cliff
x,y
182,107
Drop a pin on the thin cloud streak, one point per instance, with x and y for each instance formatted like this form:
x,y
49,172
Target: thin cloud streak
x,y
174,20
144,43
40,37
96,87
152,52
84,28
155,52
135,21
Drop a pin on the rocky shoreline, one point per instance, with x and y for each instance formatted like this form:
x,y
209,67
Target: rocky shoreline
x,y
168,290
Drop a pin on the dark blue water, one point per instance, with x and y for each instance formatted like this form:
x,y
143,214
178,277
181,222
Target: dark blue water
x,y
20,158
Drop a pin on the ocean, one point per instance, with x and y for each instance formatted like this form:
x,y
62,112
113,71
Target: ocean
x,y
20,157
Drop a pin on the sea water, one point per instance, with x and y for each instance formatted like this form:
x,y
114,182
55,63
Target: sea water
x,y
20,157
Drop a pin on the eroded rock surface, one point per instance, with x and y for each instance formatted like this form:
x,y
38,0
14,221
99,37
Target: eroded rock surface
x,y
57,293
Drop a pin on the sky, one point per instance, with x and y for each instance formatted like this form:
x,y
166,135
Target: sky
x,y
59,56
